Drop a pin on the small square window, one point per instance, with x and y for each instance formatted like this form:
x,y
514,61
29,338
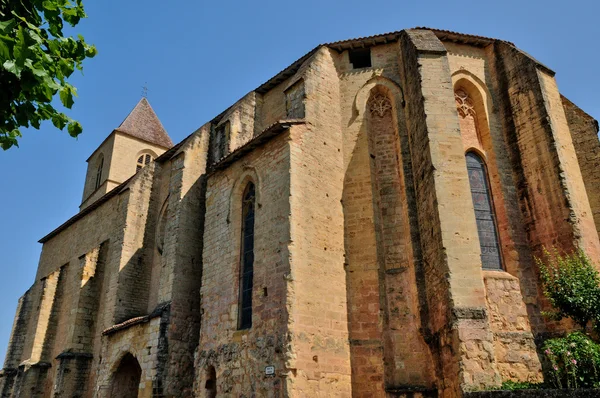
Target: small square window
x,y
360,58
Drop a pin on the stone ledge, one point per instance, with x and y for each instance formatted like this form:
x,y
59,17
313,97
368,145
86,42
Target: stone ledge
x,y
498,275
137,320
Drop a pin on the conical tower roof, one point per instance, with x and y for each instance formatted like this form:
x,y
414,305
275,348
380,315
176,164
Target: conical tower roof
x,y
143,123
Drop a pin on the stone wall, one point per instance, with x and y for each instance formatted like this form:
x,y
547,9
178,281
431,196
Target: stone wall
x,y
584,133
146,342
317,283
457,313
367,267
514,345
382,253
239,357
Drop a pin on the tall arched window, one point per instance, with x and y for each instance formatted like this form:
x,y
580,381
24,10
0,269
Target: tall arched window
x,y
99,173
484,212
247,258
142,161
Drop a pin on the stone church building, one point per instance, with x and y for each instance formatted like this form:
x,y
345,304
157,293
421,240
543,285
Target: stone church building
x,y
363,224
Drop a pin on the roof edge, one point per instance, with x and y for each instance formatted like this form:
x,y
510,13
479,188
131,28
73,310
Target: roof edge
x,y
101,200
260,139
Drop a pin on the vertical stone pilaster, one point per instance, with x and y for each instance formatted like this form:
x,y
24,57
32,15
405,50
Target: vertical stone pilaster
x,y
552,195
15,346
584,133
319,354
50,285
554,200
458,319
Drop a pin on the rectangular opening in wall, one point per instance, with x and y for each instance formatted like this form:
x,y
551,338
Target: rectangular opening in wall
x,y
360,58
294,100
221,140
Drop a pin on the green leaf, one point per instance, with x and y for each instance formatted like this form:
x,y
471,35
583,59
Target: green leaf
x,y
66,97
34,36
66,67
12,67
91,51
4,51
39,72
59,121
7,26
34,49
51,84
74,129
48,5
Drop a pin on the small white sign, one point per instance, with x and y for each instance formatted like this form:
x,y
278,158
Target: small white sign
x,y
270,370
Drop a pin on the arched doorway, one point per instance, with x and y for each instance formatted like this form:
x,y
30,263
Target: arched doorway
x,y
211,383
126,379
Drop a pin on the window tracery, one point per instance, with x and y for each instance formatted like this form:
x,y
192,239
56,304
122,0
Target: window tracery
x,y
143,161
379,104
464,103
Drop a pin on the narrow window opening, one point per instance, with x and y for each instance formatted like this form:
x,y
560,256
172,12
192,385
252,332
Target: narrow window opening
x,y
484,212
247,258
222,133
360,58
294,100
99,173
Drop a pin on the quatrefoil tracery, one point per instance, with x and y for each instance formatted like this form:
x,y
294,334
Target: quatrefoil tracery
x,y
464,104
379,105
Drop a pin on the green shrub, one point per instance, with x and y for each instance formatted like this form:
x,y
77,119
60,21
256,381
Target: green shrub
x,y
572,284
575,361
521,385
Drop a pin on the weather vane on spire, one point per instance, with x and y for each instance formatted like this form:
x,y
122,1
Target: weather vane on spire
x,y
145,90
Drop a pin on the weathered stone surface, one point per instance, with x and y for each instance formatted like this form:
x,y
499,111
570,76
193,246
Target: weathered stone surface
x,y
368,236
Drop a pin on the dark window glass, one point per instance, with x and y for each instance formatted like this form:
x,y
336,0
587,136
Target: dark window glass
x,y
99,173
360,58
484,212
142,161
221,141
247,258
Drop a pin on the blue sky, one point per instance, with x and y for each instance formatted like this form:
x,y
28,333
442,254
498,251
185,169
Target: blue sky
x,y
199,57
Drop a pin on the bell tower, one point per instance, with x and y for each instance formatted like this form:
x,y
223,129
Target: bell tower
x,y
138,140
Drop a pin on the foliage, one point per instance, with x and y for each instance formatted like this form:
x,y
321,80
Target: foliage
x,y
572,284
35,61
575,361
521,385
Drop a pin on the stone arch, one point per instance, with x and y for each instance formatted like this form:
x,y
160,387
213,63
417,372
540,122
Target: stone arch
x,y
383,84
126,377
146,151
477,114
210,384
143,156
378,192
249,174
469,88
